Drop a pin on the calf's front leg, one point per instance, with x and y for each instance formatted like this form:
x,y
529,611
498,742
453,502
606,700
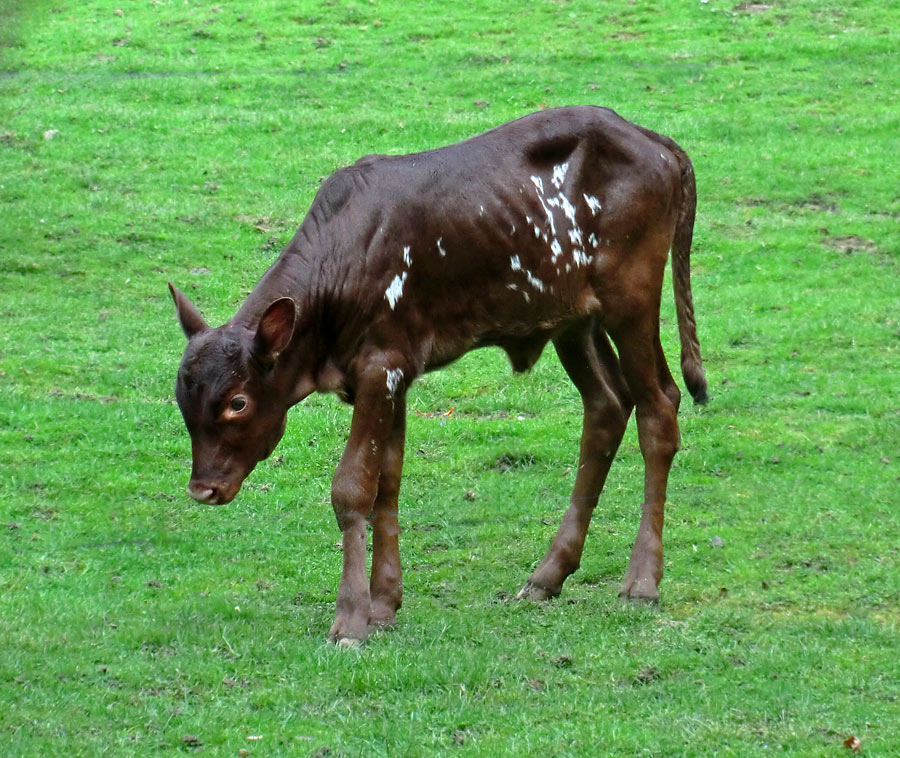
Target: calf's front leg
x,y
353,494
386,586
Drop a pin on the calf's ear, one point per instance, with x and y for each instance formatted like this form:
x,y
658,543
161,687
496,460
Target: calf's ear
x,y
188,316
276,327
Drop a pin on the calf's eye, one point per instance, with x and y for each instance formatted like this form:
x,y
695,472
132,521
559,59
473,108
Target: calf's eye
x,y
238,403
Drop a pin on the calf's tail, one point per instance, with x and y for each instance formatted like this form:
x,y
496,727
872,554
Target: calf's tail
x,y
691,362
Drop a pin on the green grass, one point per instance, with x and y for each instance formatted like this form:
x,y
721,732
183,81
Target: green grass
x,y
189,141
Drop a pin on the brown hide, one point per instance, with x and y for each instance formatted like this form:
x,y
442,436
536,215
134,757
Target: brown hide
x,y
555,227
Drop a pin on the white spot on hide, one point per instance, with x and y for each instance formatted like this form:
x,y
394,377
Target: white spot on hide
x,y
567,207
514,263
395,291
559,174
406,257
539,183
581,258
534,281
593,204
593,240
549,213
556,249
393,379
440,247
560,201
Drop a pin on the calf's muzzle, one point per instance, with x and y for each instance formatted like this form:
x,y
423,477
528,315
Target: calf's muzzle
x,y
212,493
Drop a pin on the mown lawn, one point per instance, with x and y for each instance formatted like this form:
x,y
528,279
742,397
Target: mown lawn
x,y
155,140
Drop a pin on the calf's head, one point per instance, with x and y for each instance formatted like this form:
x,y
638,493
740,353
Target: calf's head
x,y
230,395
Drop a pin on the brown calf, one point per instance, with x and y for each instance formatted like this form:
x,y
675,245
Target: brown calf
x,y
555,227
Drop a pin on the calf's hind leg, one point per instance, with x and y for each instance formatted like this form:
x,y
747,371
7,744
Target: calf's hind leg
x,y
656,402
591,363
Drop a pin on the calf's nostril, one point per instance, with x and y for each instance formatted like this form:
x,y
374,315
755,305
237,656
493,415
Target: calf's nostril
x,y
202,493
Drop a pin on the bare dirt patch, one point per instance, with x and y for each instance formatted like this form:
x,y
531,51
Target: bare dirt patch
x,y
753,7
850,244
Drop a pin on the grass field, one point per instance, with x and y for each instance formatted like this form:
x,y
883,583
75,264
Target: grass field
x,y
163,139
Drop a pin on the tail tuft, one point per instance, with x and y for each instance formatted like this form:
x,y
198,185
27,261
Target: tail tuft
x,y
695,381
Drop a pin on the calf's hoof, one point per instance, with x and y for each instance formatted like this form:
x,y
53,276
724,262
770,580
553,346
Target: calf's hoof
x,y
535,593
382,617
640,591
346,635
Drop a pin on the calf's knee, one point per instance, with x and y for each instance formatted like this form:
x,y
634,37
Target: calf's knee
x,y
352,493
